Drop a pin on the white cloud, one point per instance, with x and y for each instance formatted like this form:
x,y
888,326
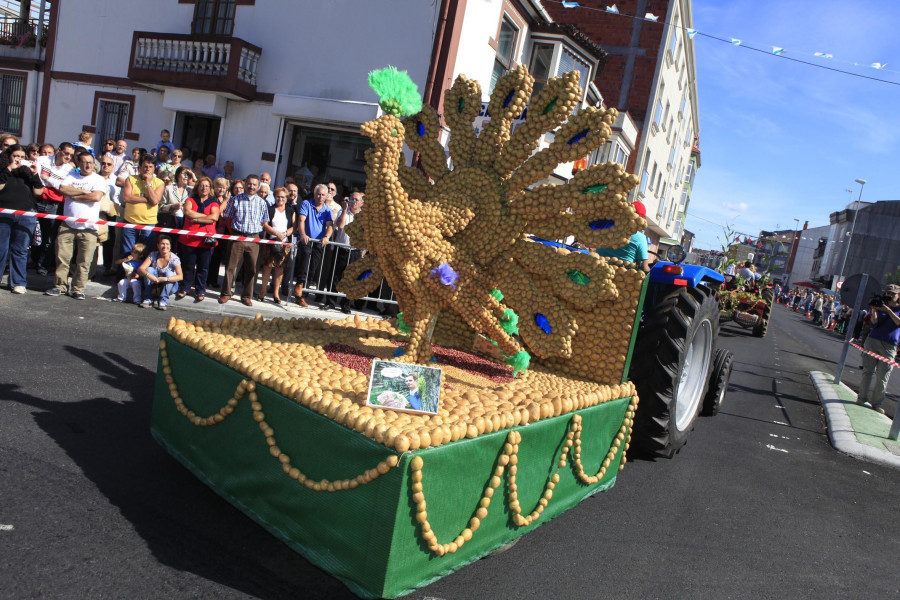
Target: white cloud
x,y
739,207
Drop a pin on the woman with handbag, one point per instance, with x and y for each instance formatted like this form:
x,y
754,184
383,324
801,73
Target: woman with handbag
x,y
201,211
171,207
280,227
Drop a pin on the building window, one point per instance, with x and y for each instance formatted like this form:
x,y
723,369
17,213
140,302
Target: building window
x,y
12,101
506,46
652,177
688,137
568,62
318,153
672,158
688,177
213,17
112,120
673,42
684,200
541,57
644,179
621,156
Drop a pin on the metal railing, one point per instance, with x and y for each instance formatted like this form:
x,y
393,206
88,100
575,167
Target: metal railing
x,y
324,279
13,27
197,57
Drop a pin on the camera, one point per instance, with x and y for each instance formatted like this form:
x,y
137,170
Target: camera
x,y
876,301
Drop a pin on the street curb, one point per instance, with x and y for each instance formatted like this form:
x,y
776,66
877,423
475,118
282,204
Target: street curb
x,y
840,429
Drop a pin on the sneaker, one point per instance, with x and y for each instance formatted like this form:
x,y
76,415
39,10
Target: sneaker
x,y
878,409
19,289
78,295
162,306
860,402
53,292
146,304
118,299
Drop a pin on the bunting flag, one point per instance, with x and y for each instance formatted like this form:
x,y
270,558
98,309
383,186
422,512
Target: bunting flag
x,y
775,50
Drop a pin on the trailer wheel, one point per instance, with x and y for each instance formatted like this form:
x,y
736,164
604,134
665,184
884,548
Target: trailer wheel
x,y
718,382
673,359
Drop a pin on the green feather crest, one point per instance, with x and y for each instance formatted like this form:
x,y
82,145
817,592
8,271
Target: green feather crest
x,y
396,91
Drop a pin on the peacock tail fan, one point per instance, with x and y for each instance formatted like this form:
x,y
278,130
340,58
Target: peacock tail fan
x,y
462,103
423,131
396,91
508,101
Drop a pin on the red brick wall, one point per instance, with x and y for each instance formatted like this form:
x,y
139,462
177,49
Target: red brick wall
x,y
613,34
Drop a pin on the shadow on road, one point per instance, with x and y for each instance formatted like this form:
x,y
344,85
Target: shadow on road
x,y
185,525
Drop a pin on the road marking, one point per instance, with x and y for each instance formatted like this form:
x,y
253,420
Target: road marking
x,y
771,447
6,527
866,472
779,436
780,423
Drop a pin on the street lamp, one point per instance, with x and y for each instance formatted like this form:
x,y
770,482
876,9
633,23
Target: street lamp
x,y
862,183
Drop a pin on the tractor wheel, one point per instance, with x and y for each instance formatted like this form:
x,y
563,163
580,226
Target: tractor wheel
x,y
761,329
768,295
672,362
718,382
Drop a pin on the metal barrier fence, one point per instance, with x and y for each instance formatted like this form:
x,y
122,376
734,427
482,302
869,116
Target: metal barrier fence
x,y
325,268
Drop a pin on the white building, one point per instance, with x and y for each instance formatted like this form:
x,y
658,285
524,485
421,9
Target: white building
x,y
664,154
279,86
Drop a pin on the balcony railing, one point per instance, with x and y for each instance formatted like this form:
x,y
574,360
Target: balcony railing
x,y
219,64
16,32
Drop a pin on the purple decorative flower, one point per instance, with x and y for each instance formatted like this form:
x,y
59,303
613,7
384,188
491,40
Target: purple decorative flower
x,y
446,273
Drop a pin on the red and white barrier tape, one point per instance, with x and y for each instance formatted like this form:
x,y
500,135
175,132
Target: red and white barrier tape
x,y
203,234
872,354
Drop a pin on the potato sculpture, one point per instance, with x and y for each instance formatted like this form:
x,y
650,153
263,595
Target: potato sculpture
x,y
448,240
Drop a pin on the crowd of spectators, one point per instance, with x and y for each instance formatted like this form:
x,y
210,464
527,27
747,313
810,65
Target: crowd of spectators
x,y
164,187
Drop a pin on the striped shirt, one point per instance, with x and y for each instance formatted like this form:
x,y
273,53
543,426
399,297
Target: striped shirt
x,y
247,213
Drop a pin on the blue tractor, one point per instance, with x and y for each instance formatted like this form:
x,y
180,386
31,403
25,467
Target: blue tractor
x,y
675,365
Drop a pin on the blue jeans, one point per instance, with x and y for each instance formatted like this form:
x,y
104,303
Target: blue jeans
x,y
195,266
15,237
130,237
165,289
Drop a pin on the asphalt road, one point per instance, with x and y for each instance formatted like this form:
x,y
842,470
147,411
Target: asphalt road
x,y
757,505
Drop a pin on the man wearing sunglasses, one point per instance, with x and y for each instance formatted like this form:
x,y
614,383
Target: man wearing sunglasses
x,y
52,170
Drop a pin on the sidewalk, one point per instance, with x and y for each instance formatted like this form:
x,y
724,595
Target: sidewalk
x,y
855,430
105,291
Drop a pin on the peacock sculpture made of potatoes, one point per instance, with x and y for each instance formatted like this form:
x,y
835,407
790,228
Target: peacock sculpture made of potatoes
x,y
453,239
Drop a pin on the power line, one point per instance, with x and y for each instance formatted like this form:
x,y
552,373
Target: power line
x,y
692,32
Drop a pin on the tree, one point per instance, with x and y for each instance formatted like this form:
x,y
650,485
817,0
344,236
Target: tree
x,y
892,277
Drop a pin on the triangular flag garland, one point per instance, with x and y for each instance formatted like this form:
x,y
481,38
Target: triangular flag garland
x,y
776,50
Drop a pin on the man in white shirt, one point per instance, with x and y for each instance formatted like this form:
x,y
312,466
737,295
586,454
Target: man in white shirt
x,y
339,256
107,172
119,156
83,192
52,170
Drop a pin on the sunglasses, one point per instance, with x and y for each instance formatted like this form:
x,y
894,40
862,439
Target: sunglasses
x,y
106,164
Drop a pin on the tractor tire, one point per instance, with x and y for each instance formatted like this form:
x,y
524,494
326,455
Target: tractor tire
x,y
761,329
672,362
718,382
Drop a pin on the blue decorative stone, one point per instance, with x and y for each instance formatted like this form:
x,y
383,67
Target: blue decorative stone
x,y
601,224
364,275
578,137
543,322
420,129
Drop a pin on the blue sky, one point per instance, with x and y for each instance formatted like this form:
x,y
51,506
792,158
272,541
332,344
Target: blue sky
x,y
779,140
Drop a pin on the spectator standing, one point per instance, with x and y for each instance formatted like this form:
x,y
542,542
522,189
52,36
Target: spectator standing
x,y
84,142
164,168
245,215
109,146
165,142
52,170
882,340
817,309
19,188
222,194
129,166
210,169
333,195
83,192
280,227
171,207
119,155
228,170
265,179
343,256
7,140
141,196
107,172
314,224
161,272
201,212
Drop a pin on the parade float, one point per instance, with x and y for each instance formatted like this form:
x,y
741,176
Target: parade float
x,y
749,307
534,344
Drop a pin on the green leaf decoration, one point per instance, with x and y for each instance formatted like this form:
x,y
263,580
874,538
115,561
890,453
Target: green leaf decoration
x,y
396,91
497,294
519,362
510,322
402,327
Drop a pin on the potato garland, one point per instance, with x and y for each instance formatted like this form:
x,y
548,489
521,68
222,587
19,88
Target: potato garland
x,y
507,463
259,416
288,356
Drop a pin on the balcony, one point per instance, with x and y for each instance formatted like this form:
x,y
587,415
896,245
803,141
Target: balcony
x,y
19,37
224,65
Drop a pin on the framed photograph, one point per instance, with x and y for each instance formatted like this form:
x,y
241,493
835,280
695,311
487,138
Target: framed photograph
x,y
403,387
